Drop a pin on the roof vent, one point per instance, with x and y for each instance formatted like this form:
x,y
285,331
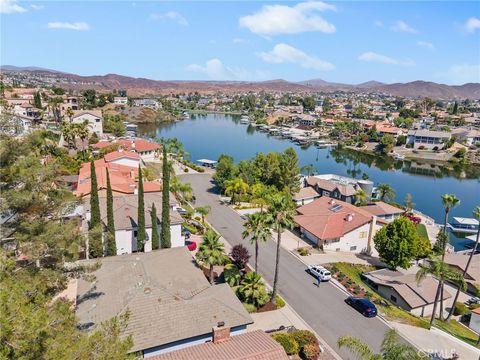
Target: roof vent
x,y
349,217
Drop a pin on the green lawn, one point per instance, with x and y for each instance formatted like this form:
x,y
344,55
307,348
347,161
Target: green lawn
x,y
422,231
458,330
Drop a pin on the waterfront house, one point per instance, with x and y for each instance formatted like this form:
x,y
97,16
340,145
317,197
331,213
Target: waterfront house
x,y
383,210
125,214
403,289
339,187
126,158
253,345
427,139
148,103
93,119
171,304
148,150
468,136
337,226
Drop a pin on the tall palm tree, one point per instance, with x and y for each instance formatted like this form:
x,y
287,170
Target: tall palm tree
x,y
443,272
83,133
260,193
182,189
210,252
235,187
476,214
257,229
69,133
392,348
69,112
252,289
281,211
361,197
449,201
308,169
386,192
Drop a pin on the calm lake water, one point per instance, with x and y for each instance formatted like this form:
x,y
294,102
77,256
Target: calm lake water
x,y
208,136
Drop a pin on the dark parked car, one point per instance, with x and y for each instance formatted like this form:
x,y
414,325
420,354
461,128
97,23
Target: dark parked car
x,y
362,305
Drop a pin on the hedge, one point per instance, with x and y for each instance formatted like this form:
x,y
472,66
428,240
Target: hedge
x,y
460,309
288,343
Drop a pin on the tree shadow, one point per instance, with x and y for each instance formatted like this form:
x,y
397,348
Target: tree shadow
x,y
89,295
371,260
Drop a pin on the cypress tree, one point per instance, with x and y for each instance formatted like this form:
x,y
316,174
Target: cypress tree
x,y
155,238
141,213
166,243
37,101
95,217
111,245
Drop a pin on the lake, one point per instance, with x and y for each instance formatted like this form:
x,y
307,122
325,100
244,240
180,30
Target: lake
x,y
208,136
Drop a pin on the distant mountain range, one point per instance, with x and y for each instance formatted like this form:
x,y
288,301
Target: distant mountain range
x,y
142,86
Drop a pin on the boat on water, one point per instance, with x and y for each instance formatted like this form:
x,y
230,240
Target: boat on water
x,y
464,225
130,129
397,156
245,120
324,144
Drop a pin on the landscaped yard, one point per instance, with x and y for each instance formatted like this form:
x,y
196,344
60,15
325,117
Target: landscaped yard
x,y
353,272
458,330
422,231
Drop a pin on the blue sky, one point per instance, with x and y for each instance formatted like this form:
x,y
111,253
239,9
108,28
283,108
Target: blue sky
x,y
349,42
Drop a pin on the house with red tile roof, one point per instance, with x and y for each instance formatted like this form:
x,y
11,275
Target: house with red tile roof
x,y
123,179
125,158
337,225
148,150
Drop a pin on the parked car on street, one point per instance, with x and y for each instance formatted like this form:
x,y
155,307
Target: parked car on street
x,y
319,272
362,305
191,245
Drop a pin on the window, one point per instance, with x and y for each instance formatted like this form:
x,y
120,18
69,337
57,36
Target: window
x,y
363,234
353,248
393,298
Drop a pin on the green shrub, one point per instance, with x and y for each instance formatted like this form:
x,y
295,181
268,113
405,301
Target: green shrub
x,y
460,309
231,275
304,337
288,343
303,251
279,302
310,352
185,170
477,289
474,306
250,308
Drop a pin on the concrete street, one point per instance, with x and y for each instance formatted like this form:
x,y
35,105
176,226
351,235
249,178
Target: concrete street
x,y
322,308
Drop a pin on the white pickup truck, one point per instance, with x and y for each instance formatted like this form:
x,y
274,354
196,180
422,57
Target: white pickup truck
x,y
319,272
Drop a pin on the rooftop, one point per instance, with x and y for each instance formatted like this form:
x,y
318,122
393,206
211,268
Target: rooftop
x,y
379,208
254,345
167,295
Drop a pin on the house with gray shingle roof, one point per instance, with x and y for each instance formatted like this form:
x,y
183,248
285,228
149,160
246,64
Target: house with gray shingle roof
x,y
171,304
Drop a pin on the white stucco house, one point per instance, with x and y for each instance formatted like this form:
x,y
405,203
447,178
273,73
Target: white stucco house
x,y
126,158
93,119
335,225
125,213
120,100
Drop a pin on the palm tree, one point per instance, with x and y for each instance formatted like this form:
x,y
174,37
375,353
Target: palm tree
x,y
203,211
257,228
260,193
281,211
476,214
361,197
69,133
443,272
82,132
69,112
392,348
386,192
252,289
234,187
449,201
308,169
182,189
210,252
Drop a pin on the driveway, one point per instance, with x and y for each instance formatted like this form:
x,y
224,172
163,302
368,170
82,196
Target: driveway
x,y
322,308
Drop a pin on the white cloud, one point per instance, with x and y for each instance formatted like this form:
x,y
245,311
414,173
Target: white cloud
x,y
402,26
426,44
371,56
11,7
78,26
472,24
37,7
283,19
171,15
216,70
283,53
461,74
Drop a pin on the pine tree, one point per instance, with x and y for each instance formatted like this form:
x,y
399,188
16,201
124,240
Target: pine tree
x,y
94,203
141,213
155,238
111,245
166,242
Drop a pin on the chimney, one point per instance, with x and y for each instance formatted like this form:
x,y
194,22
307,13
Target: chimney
x,y
220,333
133,144
349,217
332,202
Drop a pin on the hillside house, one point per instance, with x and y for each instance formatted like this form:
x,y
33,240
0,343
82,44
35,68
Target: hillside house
x,y
93,119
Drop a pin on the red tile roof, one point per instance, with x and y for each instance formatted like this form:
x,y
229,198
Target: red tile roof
x,y
137,144
121,154
319,219
254,345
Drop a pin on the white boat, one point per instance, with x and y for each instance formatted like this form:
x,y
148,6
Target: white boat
x,y
245,120
463,225
397,156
